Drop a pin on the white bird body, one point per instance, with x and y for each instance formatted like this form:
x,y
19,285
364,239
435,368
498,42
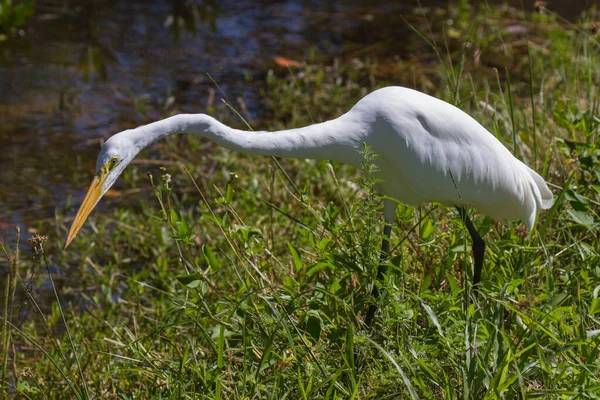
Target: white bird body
x,y
428,151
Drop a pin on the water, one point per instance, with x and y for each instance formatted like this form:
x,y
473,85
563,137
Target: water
x,y
85,71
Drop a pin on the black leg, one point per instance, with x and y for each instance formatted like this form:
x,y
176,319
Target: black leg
x,y
478,245
385,248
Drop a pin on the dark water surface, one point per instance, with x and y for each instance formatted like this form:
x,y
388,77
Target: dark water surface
x,y
93,68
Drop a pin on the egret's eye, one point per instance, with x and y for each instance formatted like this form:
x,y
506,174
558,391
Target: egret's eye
x,y
113,161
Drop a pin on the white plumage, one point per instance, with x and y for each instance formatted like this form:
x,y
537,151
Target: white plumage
x,y
428,151
422,143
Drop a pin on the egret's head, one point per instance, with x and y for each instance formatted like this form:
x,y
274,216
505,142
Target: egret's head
x,y
115,155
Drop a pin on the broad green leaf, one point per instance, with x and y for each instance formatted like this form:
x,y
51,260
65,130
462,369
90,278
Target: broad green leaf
x,y
210,256
581,218
427,228
433,318
313,325
295,257
318,267
335,286
191,280
595,306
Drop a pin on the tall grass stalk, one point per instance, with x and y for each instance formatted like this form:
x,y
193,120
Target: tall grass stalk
x,y
8,305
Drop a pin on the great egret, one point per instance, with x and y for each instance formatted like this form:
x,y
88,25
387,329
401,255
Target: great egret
x,y
428,151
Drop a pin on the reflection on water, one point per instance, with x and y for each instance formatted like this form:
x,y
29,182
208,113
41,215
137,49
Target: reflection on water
x,y
88,69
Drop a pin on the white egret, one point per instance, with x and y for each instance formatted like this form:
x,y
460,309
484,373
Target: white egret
x,y
428,151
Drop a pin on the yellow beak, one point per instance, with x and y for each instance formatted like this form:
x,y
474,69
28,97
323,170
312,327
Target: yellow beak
x,y
91,199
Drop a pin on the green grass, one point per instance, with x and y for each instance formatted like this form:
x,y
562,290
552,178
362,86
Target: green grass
x,y
239,277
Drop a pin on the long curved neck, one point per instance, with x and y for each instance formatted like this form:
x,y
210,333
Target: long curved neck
x,y
331,140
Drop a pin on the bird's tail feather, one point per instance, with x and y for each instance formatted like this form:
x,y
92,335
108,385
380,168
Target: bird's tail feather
x,y
546,199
